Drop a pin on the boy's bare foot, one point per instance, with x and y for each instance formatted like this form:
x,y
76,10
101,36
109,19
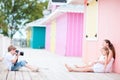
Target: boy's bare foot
x,y
35,70
68,68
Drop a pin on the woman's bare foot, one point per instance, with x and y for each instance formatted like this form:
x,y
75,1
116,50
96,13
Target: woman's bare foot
x,y
77,66
68,68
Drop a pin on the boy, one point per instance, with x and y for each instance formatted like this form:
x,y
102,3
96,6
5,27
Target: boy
x,y
12,63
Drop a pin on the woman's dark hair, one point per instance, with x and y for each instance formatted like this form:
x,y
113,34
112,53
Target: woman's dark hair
x,y
110,46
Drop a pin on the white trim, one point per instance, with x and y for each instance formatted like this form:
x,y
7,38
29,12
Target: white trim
x,y
35,23
72,8
52,16
63,9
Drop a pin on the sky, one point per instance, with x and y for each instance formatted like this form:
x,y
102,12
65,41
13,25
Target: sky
x,y
20,34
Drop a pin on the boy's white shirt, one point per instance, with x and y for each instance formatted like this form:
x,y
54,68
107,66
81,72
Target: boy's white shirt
x,y
8,57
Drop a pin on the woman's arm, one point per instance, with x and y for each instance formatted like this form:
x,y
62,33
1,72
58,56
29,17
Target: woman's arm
x,y
110,56
106,58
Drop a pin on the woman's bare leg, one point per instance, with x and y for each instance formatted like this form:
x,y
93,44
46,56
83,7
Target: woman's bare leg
x,y
84,69
86,65
77,66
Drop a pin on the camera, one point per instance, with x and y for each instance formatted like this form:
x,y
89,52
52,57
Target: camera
x,y
21,53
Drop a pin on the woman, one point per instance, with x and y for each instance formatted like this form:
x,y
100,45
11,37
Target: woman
x,y
102,64
111,48
111,55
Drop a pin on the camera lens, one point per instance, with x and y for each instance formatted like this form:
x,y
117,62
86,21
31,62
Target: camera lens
x,y
21,53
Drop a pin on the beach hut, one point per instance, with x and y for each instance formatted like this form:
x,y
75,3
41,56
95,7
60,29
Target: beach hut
x,y
36,35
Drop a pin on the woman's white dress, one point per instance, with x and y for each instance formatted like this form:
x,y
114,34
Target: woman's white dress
x,y
99,67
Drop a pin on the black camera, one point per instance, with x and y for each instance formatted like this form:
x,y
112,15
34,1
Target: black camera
x,y
21,53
